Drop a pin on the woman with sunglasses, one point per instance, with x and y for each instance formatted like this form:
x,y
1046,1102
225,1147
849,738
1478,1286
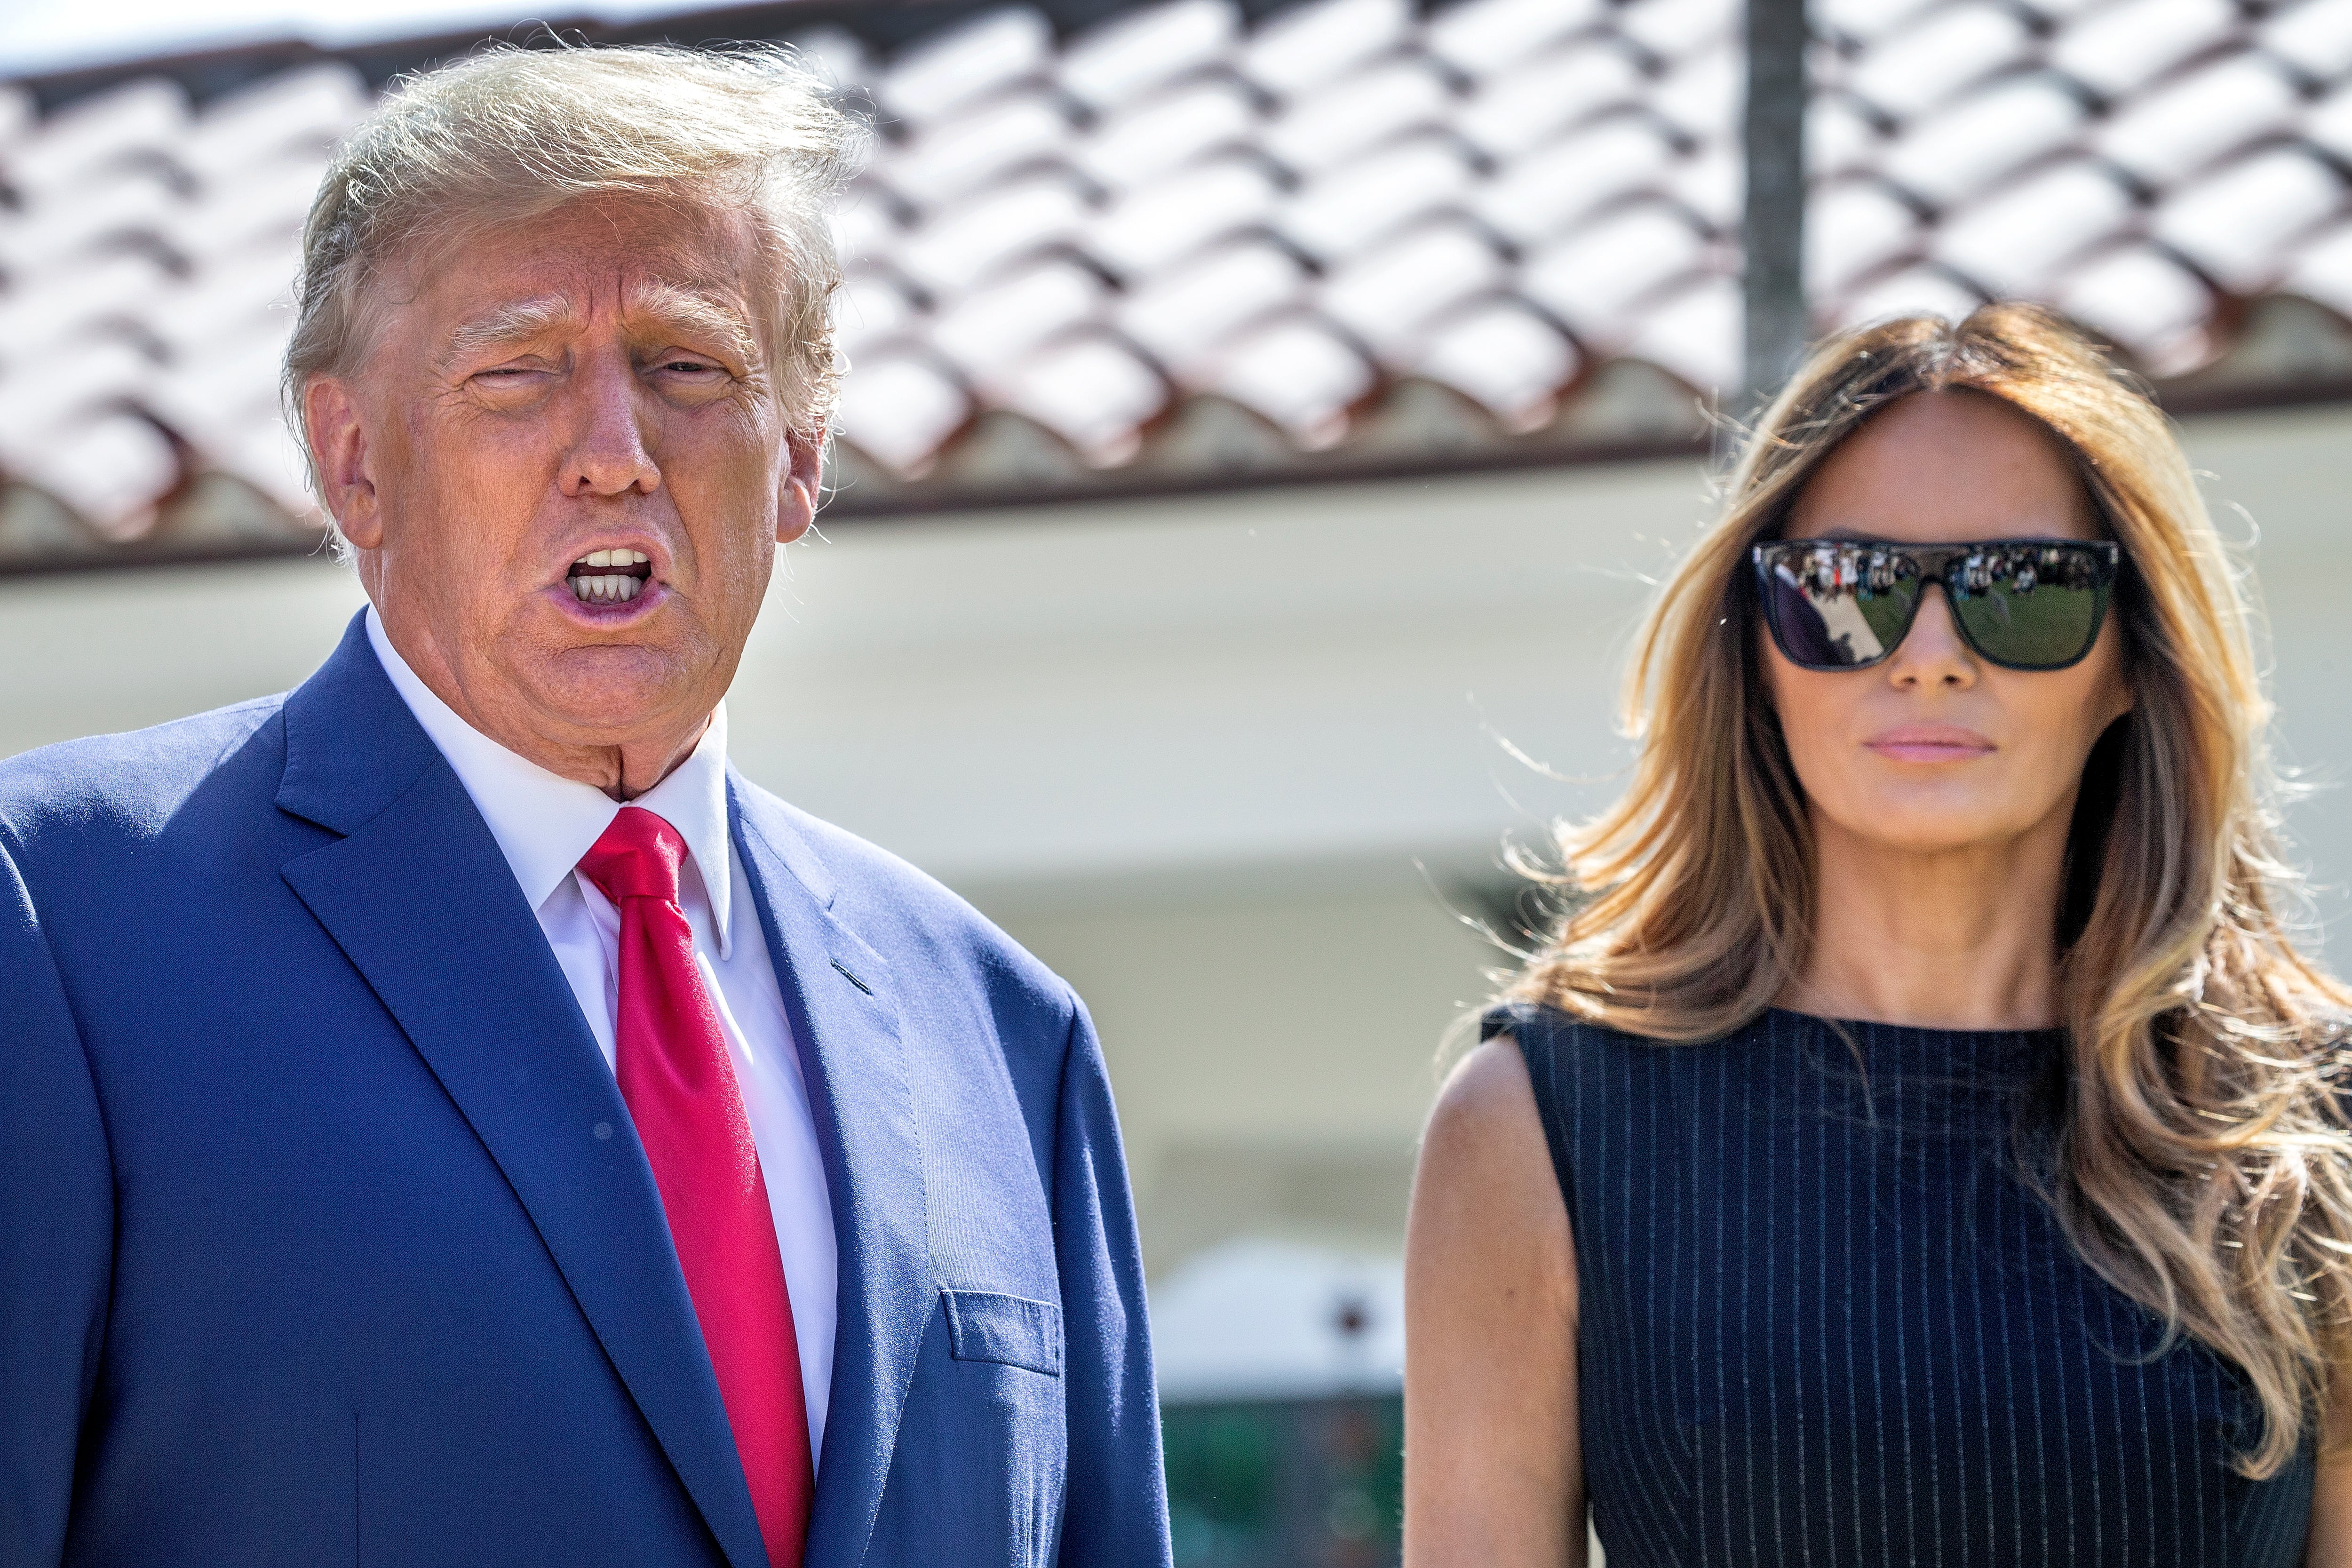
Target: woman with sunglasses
x,y
1920,1141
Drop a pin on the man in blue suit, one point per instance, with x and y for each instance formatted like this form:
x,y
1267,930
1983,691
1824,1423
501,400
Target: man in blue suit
x,y
447,1115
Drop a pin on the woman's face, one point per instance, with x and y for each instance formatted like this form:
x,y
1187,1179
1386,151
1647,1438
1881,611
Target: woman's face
x,y
1936,749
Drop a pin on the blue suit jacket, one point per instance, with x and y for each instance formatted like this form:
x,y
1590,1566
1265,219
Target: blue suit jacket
x,y
324,1238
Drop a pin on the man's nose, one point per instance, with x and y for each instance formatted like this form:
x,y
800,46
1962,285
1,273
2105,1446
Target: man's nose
x,y
608,455
1933,653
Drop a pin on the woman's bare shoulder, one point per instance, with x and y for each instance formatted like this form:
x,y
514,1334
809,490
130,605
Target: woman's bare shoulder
x,y
1488,1092
1484,1152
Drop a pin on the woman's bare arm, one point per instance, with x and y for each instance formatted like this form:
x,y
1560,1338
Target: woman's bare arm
x,y
2330,1545
1493,1474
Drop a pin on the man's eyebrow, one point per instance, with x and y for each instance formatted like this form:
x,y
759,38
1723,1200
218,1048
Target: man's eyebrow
x,y
505,326
702,313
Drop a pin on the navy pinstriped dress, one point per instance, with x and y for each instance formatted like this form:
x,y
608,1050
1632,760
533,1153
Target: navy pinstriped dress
x,y
1822,1322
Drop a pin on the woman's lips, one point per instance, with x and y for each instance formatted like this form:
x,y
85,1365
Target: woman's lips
x,y
1929,743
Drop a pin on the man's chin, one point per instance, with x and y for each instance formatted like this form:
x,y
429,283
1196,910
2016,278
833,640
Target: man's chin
x,y
608,693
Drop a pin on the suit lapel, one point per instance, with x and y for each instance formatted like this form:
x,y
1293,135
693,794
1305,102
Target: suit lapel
x,y
420,899
839,994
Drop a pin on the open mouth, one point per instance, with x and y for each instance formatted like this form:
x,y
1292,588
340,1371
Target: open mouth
x,y
610,576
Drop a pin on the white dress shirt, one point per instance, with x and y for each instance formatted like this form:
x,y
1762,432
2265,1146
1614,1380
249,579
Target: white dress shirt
x,y
545,823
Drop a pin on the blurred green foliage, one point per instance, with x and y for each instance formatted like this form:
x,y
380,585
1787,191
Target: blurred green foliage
x,y
1310,1483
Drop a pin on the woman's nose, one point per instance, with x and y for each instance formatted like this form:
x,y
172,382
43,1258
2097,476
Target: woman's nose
x,y
1933,652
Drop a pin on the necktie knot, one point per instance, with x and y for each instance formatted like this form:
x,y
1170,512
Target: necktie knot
x,y
637,857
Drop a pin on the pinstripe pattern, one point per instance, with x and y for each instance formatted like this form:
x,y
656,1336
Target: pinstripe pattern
x,y
1822,1322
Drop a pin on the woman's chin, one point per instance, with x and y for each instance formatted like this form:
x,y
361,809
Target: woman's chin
x,y
1937,825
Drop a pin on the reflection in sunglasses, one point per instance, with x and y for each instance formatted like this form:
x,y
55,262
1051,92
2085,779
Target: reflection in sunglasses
x,y
1839,604
1822,618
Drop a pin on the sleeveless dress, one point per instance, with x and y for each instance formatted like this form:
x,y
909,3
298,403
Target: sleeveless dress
x,y
1824,1322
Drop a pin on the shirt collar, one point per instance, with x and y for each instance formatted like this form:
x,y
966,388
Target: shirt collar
x,y
545,822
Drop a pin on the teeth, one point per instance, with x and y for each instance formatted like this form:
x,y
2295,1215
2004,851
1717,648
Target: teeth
x,y
638,558
606,590
600,558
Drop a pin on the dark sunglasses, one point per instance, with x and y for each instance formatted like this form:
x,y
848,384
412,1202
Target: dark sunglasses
x,y
2021,604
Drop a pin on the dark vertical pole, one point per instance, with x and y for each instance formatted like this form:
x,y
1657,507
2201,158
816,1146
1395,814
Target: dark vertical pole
x,y
1774,283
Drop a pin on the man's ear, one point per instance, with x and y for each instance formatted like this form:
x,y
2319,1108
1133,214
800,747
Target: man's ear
x,y
797,500
339,449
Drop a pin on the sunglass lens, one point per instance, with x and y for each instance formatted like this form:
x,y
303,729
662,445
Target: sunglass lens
x,y
1835,606
2035,609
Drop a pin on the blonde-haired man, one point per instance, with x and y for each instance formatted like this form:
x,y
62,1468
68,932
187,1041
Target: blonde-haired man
x,y
447,1115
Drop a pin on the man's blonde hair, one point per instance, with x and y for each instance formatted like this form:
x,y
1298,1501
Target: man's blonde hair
x,y
509,134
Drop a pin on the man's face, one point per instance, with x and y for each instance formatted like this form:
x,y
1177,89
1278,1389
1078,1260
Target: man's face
x,y
590,386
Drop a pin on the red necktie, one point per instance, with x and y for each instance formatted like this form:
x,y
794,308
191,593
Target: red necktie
x,y
671,1057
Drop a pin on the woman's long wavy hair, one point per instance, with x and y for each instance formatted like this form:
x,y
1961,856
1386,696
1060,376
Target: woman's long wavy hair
x,y
2198,1157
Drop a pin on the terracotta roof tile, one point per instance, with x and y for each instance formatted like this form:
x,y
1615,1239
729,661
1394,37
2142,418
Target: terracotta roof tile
x,y
1188,312
988,331
1593,277
2183,127
966,64
1146,231
2323,269
1163,135
2314,36
2239,222
1093,390
2120,48
1518,110
1916,69
1342,210
1533,197
2328,124
1485,37
2139,294
1508,358
1921,288
967,151
900,407
1348,118
2016,241
1116,62
1676,29
1855,227
1945,157
1693,331
1318,42
1864,21
1300,374
1387,297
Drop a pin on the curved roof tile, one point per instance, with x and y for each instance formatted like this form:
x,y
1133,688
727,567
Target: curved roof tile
x,y
1180,243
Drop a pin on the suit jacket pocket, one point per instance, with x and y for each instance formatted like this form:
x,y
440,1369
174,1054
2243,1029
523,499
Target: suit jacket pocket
x,y
1011,1330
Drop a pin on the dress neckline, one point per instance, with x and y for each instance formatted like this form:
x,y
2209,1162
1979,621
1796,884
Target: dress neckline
x,y
1936,1031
